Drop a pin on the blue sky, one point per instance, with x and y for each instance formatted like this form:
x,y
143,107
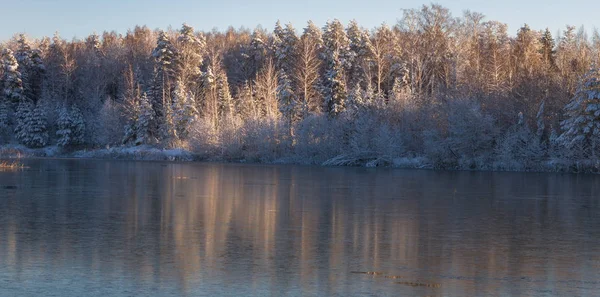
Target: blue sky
x,y
79,18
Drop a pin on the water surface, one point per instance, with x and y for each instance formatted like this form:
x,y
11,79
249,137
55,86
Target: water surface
x,y
120,228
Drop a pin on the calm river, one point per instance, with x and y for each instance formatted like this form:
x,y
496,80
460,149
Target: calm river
x,y
120,228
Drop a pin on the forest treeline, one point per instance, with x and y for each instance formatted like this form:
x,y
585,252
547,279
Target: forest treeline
x,y
433,90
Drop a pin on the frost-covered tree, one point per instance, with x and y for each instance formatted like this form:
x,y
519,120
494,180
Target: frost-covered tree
x,y
355,100
306,72
362,53
337,58
192,48
337,45
382,52
184,111
334,87
23,116
519,148
141,128
257,52
31,68
4,120
31,127
581,128
224,100
547,49
145,128
167,69
71,127
245,104
527,52
12,85
266,91
288,103
284,45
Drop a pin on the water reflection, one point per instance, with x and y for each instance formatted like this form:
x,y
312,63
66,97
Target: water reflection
x,y
142,228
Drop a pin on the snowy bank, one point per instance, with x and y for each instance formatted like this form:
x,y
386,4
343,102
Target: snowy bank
x,y
149,153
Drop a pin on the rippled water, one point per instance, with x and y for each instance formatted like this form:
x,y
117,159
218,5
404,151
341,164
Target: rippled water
x,y
116,228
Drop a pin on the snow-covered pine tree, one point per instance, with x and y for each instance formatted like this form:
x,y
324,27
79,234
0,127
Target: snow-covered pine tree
x,y
168,132
93,43
184,111
288,104
71,127
78,126
337,58
4,120
581,128
355,100
37,128
12,85
362,53
64,127
144,126
518,148
334,90
336,44
547,49
192,48
244,104
31,68
167,68
257,52
285,42
224,101
277,42
23,119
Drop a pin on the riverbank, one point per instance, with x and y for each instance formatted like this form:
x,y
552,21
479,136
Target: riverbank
x,y
150,153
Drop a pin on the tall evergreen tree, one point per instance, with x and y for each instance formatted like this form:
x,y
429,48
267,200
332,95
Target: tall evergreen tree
x,y
285,42
288,104
582,126
31,127
12,85
335,91
362,53
71,127
224,100
166,72
184,111
31,68
547,49
192,48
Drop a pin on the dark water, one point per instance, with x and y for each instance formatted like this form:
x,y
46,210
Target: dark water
x,y
114,228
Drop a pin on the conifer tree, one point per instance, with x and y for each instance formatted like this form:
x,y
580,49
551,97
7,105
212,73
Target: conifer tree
x,y
31,128
166,72
71,127
12,85
184,111
547,49
288,104
334,91
145,128
285,42
582,126
362,53
192,48
224,101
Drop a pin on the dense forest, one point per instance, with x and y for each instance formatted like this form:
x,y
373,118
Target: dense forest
x,y
432,91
